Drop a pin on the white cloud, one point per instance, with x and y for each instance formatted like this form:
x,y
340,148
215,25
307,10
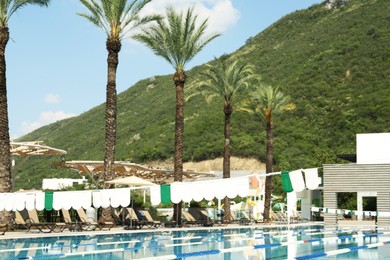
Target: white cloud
x,y
45,118
52,98
221,13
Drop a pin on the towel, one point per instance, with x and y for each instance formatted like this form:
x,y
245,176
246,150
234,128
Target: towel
x,y
297,182
286,182
312,179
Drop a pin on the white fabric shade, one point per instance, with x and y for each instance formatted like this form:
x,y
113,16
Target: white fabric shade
x,y
20,201
9,201
180,191
2,201
72,199
30,201
120,197
197,191
155,195
39,200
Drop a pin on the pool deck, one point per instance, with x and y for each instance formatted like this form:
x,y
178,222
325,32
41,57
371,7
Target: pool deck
x,y
120,230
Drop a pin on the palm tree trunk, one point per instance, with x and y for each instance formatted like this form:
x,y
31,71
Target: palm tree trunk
x,y
179,78
228,109
5,154
113,47
269,166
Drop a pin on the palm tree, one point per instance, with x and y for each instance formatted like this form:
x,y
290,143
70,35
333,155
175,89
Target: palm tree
x,y
117,18
177,39
7,9
225,81
267,102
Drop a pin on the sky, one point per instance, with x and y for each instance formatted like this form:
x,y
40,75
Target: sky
x,y
56,59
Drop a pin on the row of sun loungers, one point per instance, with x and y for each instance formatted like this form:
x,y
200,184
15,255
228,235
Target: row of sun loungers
x,y
131,219
128,218
29,220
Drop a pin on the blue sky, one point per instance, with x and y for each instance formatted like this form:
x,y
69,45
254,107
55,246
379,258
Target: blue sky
x,y
56,60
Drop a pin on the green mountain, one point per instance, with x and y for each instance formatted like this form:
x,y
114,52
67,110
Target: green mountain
x,y
334,63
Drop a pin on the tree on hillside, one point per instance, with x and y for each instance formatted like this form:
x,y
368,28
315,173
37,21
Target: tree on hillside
x,y
265,103
224,81
117,18
177,39
7,9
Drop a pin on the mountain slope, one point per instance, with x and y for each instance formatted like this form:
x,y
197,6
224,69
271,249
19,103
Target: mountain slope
x,y
334,63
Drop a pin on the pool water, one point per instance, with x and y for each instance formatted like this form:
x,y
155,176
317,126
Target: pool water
x,y
226,243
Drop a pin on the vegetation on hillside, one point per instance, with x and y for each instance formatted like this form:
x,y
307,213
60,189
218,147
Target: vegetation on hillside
x,y
333,63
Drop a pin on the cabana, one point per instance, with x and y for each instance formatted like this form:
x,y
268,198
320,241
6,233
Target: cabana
x,y
368,176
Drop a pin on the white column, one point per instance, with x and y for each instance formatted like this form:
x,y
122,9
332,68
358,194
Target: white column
x,y
360,205
291,204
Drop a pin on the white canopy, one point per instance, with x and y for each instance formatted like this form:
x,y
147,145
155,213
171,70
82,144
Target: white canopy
x,y
199,190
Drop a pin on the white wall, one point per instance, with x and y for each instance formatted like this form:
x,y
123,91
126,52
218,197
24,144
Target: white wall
x,y
58,184
373,148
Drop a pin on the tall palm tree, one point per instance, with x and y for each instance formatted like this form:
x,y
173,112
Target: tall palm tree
x,y
7,9
225,81
117,18
177,39
267,102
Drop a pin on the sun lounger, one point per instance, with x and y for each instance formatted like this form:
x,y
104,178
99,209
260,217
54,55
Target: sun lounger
x,y
188,219
278,217
73,225
245,219
33,222
150,222
233,218
92,225
131,219
204,219
3,228
20,217
118,216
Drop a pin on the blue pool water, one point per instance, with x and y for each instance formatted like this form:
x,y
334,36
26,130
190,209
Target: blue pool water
x,y
227,243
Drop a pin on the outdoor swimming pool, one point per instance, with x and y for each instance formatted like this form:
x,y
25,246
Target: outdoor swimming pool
x,y
224,243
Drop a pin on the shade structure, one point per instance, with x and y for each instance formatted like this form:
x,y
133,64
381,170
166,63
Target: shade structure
x,y
34,148
158,175
131,181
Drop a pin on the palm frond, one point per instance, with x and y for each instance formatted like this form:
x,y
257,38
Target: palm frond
x,y
116,17
267,97
9,7
178,38
223,80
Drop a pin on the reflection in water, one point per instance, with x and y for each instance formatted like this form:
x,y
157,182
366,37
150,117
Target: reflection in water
x,y
252,243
